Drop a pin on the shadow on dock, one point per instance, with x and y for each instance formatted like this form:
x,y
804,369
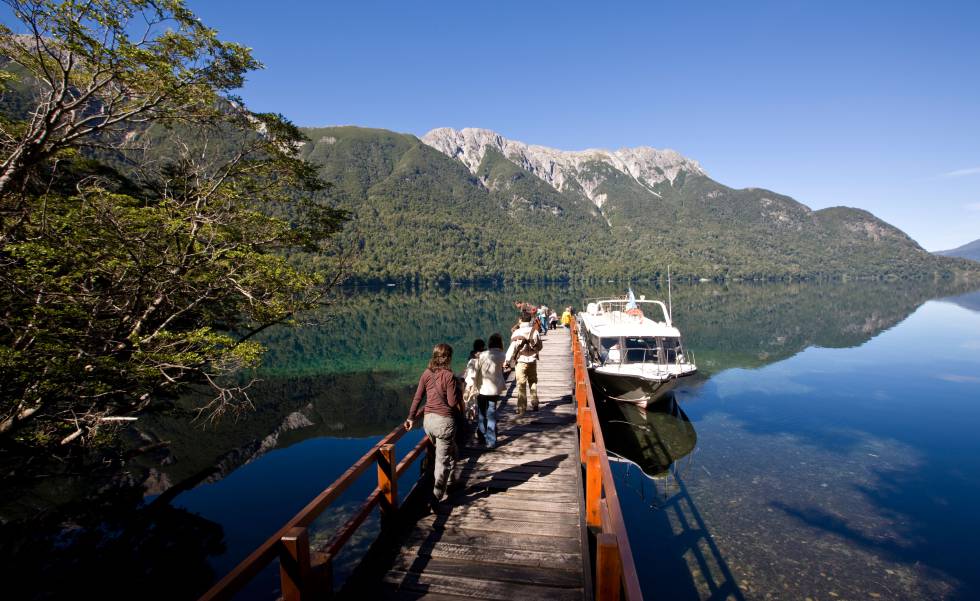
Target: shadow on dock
x,y
466,505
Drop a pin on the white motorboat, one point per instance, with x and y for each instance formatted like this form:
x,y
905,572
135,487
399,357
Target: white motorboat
x,y
634,352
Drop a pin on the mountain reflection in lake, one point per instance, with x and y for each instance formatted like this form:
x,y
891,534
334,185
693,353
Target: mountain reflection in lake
x,y
835,449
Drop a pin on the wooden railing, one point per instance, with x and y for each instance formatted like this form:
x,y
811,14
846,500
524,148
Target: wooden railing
x,y
615,572
307,573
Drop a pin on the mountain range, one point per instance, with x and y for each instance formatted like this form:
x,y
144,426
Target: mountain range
x,y
471,204
970,250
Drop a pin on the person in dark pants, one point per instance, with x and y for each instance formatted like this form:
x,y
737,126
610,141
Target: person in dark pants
x,y
490,364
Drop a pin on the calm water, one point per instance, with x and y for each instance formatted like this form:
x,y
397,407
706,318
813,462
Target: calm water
x,y
829,449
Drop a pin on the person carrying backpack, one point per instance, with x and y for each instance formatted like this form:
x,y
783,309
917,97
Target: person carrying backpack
x,y
525,343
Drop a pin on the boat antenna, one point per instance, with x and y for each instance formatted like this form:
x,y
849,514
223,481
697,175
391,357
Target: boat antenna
x,y
670,305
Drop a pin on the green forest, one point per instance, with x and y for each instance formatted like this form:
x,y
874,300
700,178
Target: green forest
x,y
421,216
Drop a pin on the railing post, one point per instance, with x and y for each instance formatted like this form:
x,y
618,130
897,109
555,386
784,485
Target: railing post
x,y
387,482
427,465
608,568
585,433
294,565
322,575
593,488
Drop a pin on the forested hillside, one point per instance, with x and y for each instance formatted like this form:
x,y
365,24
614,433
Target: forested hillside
x,y
424,214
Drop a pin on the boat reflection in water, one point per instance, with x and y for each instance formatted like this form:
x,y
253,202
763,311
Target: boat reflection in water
x,y
651,439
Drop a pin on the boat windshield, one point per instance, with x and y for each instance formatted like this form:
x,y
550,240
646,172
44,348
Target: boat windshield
x,y
672,348
640,349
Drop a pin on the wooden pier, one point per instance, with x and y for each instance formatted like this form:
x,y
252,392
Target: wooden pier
x,y
513,531
535,518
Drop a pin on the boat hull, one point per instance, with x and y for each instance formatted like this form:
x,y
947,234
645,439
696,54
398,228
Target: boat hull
x,y
632,389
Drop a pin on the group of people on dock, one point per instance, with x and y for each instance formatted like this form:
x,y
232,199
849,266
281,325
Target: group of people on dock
x,y
448,403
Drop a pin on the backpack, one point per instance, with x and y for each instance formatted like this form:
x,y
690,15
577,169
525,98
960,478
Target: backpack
x,y
534,346
537,345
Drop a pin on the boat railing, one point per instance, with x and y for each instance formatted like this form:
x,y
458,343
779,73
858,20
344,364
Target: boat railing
x,y
621,311
615,571
307,572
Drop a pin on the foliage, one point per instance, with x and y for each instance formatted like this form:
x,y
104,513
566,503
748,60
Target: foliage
x,y
103,65
131,265
443,223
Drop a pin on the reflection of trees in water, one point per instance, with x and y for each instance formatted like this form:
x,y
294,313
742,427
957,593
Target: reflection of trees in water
x,y
395,329
744,325
969,301
354,376
754,325
114,548
296,409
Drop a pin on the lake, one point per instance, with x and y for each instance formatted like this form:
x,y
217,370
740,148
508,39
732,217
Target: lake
x,y
828,448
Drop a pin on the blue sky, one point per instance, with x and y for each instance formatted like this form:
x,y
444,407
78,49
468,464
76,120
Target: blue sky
x,y
867,104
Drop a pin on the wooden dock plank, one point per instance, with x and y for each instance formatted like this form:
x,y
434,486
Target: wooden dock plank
x,y
512,530
492,555
475,588
510,572
493,540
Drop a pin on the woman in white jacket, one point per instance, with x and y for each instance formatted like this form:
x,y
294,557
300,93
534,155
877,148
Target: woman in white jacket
x,y
490,367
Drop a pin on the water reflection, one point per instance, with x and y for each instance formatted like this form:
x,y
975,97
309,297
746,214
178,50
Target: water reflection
x,y
654,449
652,439
969,301
351,374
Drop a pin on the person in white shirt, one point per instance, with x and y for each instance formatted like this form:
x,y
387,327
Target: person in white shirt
x,y
490,367
615,354
525,343
471,381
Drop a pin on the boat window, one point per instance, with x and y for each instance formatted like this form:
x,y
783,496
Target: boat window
x,y
609,350
640,349
672,348
607,343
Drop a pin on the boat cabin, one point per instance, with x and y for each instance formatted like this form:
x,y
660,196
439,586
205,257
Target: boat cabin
x,y
639,349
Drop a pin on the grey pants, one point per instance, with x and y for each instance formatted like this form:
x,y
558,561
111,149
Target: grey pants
x,y
442,432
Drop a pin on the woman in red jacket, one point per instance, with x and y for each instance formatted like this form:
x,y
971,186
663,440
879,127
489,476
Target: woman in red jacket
x,y
443,400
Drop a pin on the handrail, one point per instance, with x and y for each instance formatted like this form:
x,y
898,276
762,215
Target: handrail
x,y
291,542
614,558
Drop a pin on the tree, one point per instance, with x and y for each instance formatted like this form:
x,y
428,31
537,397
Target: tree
x,y
145,229
103,65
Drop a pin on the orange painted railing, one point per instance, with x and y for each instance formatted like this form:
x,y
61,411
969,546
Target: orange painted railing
x,y
615,572
308,573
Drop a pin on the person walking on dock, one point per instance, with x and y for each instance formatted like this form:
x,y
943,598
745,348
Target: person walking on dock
x,y
542,317
525,343
490,365
566,317
471,378
443,401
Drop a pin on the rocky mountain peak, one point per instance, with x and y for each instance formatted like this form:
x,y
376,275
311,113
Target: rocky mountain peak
x,y
562,168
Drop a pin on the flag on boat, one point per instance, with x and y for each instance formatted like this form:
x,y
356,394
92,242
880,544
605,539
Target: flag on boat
x,y
631,300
